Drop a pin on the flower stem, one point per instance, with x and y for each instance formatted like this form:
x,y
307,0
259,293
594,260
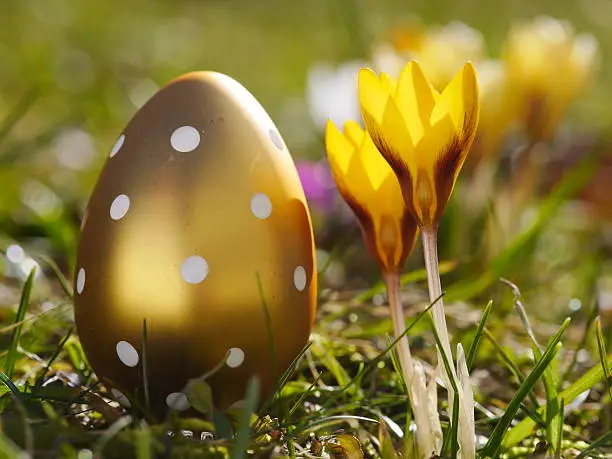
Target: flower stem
x,y
392,281
415,381
430,252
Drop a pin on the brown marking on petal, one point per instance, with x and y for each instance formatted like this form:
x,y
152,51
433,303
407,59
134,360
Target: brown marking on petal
x,y
446,170
395,160
449,163
409,234
391,155
366,225
425,199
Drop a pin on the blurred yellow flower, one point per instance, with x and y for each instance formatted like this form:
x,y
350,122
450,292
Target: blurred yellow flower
x,y
445,49
496,114
370,188
424,135
441,50
548,66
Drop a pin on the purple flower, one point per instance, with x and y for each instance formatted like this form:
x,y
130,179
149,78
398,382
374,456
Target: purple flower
x,y
318,184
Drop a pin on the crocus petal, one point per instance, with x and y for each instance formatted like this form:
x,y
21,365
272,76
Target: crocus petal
x,y
354,133
415,99
460,100
368,185
384,121
373,94
339,150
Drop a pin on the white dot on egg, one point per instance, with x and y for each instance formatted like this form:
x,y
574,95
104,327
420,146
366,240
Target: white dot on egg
x,y
185,139
235,357
118,145
80,281
120,207
276,138
261,206
299,278
127,354
194,269
177,401
121,398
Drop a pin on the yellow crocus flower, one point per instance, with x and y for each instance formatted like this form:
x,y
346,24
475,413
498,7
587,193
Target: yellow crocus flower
x,y
423,134
370,188
548,65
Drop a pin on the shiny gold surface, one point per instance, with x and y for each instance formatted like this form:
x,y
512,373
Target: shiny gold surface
x,y
195,203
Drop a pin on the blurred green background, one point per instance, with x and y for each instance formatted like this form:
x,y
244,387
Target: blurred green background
x,y
74,72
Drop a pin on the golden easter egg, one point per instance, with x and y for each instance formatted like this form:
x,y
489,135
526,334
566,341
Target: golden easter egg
x,y
198,231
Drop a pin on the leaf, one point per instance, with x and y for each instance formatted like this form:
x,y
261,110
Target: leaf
x,y
387,449
331,363
199,394
344,446
223,428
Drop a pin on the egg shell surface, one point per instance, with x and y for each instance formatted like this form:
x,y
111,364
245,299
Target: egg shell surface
x,y
199,228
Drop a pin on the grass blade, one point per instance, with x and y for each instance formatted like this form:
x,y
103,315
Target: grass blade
x,y
478,336
408,278
238,450
494,444
378,358
9,450
604,440
495,440
143,442
145,372
269,330
559,435
601,347
12,387
24,302
514,370
554,416
52,359
387,449
524,428
449,440
64,284
18,112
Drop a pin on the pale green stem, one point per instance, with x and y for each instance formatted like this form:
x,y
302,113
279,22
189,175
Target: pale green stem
x,y
430,252
392,282
416,388
466,414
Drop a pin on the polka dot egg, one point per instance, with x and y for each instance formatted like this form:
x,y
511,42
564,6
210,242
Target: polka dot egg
x,y
197,230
